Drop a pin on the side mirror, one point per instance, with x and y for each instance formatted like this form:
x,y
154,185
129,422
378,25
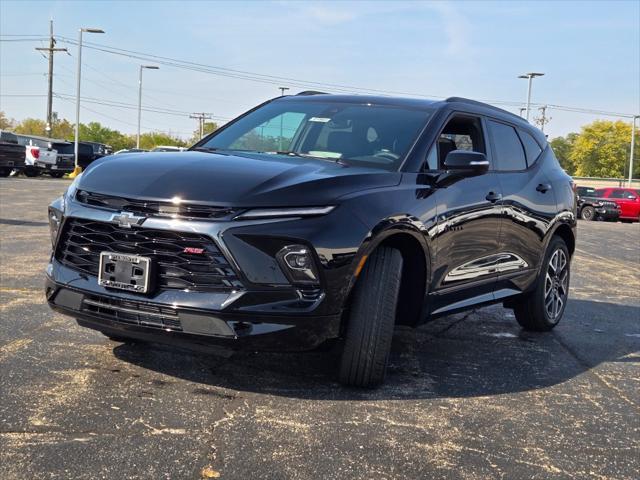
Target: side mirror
x,y
464,161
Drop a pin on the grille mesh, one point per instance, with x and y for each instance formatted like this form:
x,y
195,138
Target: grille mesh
x,y
82,241
132,312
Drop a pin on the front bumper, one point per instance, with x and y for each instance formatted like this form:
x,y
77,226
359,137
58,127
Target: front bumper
x,y
608,213
181,322
266,313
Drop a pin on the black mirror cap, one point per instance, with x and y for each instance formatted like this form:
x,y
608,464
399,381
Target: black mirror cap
x,y
464,160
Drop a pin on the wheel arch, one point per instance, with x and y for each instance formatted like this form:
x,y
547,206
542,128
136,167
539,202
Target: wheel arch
x,y
416,257
565,232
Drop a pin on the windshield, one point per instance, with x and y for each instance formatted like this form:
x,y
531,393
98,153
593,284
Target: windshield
x,y
365,135
586,191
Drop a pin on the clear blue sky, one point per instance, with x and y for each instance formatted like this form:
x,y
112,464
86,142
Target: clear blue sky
x,y
590,52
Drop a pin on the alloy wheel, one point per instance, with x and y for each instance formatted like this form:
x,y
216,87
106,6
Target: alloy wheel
x,y
556,285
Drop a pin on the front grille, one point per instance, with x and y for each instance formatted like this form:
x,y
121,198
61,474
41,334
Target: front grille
x,y
134,313
612,205
152,208
81,242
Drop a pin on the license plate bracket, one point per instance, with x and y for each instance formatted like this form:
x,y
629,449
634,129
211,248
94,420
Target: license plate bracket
x,y
125,272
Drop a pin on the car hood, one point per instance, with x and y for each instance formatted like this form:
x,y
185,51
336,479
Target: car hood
x,y
230,180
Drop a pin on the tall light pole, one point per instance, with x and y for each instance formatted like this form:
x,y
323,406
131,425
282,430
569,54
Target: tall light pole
x,y
77,169
282,90
633,146
530,76
150,67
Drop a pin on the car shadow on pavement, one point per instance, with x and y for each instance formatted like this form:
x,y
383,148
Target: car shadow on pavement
x,y
477,354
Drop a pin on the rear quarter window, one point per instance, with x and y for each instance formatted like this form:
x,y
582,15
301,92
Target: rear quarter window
x,y
531,147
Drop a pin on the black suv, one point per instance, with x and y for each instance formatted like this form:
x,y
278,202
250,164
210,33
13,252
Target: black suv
x,y
314,217
592,207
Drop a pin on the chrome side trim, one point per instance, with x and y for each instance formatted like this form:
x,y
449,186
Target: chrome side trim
x,y
491,264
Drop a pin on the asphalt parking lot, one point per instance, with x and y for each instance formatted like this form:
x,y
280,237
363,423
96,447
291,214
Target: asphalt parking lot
x,y
468,396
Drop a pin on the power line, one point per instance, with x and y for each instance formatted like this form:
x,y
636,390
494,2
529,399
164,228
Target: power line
x,y
273,79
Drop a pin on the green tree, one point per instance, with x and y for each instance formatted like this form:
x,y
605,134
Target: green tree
x,y
208,127
5,123
602,149
96,132
562,148
62,129
31,126
151,140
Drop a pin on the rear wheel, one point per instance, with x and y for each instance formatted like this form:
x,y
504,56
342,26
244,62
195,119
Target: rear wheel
x,y
31,172
588,213
542,309
371,320
4,172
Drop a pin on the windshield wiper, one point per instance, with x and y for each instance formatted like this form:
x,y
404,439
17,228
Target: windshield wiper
x,y
305,155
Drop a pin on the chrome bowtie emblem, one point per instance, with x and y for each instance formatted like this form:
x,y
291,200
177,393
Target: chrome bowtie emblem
x,y
126,219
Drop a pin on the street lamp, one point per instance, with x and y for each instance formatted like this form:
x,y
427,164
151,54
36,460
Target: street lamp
x,y
530,76
282,90
150,67
633,145
77,169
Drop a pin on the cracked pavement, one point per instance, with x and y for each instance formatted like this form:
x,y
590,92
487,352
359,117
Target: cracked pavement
x,y
468,396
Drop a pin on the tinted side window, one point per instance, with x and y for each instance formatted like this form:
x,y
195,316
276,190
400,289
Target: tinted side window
x,y
617,194
531,147
508,148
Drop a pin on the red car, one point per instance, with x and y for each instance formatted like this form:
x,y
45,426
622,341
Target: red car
x,y
627,198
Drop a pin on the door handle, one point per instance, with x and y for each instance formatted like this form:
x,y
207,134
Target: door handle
x,y
543,187
493,197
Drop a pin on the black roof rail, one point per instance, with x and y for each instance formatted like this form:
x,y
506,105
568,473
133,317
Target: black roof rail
x,y
310,92
481,104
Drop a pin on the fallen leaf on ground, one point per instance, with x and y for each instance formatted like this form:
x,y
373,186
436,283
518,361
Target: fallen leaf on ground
x,y
208,472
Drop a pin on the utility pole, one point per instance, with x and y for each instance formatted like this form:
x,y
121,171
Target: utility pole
x,y
51,49
522,109
542,120
633,146
201,117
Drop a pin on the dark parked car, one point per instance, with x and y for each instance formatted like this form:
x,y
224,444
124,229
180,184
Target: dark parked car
x,y
592,207
90,151
314,217
12,154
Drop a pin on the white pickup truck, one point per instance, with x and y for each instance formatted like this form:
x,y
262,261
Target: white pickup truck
x,y
39,156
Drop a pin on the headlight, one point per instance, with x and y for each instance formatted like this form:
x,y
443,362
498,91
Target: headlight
x,y
73,188
298,265
255,213
55,220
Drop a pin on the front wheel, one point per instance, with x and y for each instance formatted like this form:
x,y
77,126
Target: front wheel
x,y
542,309
588,213
371,320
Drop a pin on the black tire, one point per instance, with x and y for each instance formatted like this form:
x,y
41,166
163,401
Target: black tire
x,y
56,174
371,320
588,213
31,172
532,309
5,172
